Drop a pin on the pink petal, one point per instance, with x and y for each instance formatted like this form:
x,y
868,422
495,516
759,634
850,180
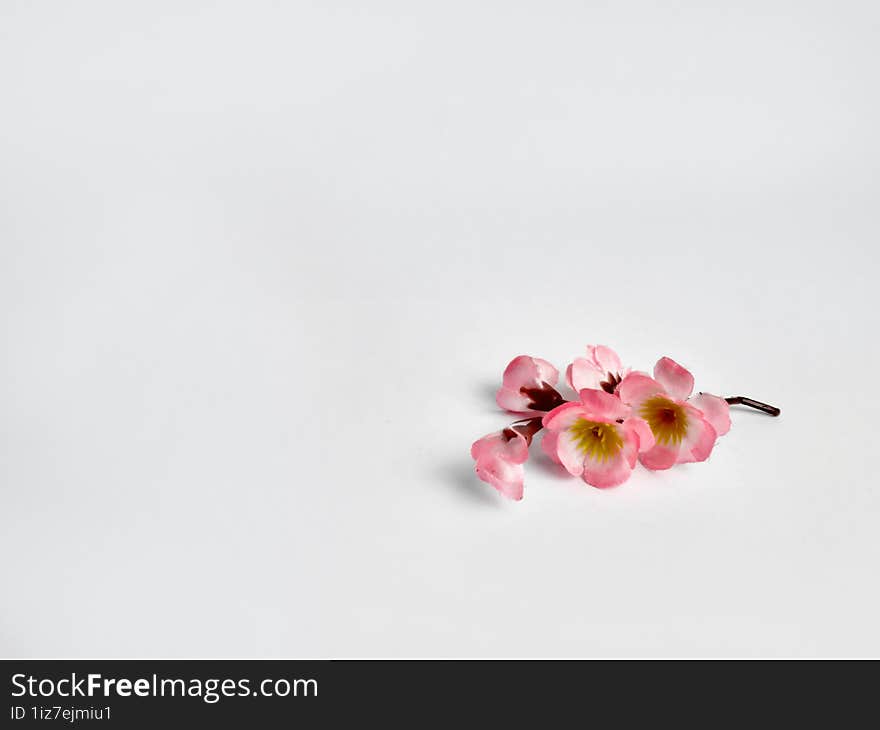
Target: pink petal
x,y
660,457
613,471
602,406
569,453
502,445
529,371
507,478
512,400
561,417
522,370
549,445
699,440
642,431
516,449
637,388
547,373
605,358
676,380
715,410
486,445
584,374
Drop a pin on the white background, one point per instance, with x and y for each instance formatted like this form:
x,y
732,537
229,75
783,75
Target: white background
x,y
261,267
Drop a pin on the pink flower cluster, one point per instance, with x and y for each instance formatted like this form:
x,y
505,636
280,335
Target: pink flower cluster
x,y
619,417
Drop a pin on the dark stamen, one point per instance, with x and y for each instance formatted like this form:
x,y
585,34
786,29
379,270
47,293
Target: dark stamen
x,y
611,384
542,398
526,428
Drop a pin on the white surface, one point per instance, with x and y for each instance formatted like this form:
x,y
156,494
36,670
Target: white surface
x,y
261,267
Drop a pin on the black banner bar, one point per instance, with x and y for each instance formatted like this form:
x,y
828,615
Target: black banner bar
x,y
241,693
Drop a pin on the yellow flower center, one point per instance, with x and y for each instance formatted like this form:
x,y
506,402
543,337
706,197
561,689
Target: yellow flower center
x,y
667,419
597,441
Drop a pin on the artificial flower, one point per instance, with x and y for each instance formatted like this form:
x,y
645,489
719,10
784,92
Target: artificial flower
x,y
620,417
685,429
596,438
600,370
528,386
500,457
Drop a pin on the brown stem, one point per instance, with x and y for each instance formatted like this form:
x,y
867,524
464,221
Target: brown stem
x,y
741,400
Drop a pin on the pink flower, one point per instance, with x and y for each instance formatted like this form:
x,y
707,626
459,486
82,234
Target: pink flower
x,y
596,439
600,370
528,386
500,457
684,428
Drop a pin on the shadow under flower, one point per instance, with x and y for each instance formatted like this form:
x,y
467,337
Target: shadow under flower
x,y
463,479
486,392
542,463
